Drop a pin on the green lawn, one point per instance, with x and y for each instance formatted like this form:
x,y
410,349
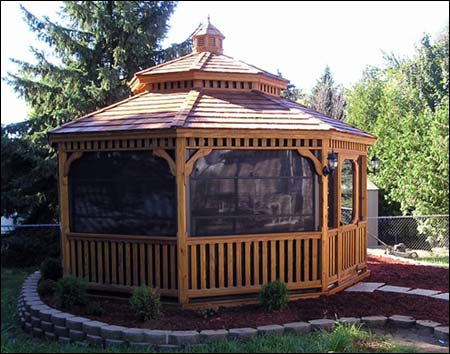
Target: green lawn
x,y
437,260
348,339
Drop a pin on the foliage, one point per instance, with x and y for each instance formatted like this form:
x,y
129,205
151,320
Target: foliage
x,y
274,296
145,303
51,268
94,309
207,313
327,97
29,183
71,291
406,105
46,287
93,52
292,93
24,247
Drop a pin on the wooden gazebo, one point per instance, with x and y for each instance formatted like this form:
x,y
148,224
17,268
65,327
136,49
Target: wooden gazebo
x,y
206,184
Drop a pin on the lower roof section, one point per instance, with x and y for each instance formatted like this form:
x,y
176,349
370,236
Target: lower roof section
x,y
204,109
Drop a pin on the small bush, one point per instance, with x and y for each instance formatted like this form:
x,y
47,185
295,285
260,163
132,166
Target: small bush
x,y
70,291
46,287
94,309
145,303
274,296
52,269
207,313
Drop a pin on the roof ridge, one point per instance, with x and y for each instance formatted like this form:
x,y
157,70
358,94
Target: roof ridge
x,y
255,67
101,110
185,108
197,64
144,71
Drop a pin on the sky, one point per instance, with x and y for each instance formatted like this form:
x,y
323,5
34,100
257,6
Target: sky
x,y
297,38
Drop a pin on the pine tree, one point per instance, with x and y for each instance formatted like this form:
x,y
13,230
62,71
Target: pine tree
x,y
327,98
94,53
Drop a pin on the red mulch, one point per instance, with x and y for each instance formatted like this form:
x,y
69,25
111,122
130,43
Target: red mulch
x,y
396,272
343,304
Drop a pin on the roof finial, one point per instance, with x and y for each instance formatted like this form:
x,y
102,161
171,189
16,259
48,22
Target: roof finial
x,y
209,18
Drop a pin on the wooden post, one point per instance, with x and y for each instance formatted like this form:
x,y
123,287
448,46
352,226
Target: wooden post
x,y
64,209
325,253
182,232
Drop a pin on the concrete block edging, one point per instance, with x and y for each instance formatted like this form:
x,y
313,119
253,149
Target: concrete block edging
x,y
65,327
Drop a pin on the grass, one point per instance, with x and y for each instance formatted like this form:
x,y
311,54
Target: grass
x,y
344,339
437,260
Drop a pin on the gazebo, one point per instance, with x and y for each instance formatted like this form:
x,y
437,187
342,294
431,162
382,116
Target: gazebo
x,y
206,185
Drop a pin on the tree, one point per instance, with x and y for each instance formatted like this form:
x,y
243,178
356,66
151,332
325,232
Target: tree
x,y
328,98
292,92
93,54
405,104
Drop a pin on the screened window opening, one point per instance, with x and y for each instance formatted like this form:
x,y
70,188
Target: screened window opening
x,y
252,191
347,192
128,193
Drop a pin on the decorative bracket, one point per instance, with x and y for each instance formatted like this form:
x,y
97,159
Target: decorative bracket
x,y
73,156
163,153
191,162
309,155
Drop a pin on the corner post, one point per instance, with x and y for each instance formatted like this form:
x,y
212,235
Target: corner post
x,y
182,231
64,208
325,254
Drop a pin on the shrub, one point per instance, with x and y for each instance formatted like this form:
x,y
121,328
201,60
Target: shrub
x,y
94,309
274,296
70,291
208,312
51,268
145,303
25,247
46,287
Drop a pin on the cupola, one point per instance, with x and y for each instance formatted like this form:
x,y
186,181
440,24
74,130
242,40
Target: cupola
x,y
207,38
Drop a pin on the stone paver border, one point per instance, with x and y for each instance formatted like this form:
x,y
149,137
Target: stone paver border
x,y
42,321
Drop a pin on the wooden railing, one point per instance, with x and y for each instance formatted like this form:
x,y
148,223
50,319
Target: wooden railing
x,y
122,262
347,251
232,265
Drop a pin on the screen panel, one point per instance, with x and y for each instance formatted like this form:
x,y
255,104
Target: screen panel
x,y
127,192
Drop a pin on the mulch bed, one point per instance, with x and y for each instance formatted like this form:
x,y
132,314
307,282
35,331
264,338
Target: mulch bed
x,y
396,272
343,304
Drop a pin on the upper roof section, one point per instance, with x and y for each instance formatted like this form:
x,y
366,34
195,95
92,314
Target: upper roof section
x,y
207,38
206,68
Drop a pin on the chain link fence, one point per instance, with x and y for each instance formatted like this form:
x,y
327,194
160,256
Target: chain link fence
x,y
425,232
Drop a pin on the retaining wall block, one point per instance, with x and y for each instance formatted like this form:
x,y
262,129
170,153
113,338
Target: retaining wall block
x,y
213,335
112,332
400,321
184,337
61,331
95,341
93,327
441,333
426,326
76,335
115,343
374,321
242,333
134,335
156,337
270,329
323,324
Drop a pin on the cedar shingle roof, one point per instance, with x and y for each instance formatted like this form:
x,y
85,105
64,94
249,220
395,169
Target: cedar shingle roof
x,y
206,61
205,109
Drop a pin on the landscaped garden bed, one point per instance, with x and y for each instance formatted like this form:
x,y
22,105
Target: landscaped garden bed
x,y
344,304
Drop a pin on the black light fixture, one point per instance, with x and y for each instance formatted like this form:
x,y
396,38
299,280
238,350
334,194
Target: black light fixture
x,y
332,164
374,162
